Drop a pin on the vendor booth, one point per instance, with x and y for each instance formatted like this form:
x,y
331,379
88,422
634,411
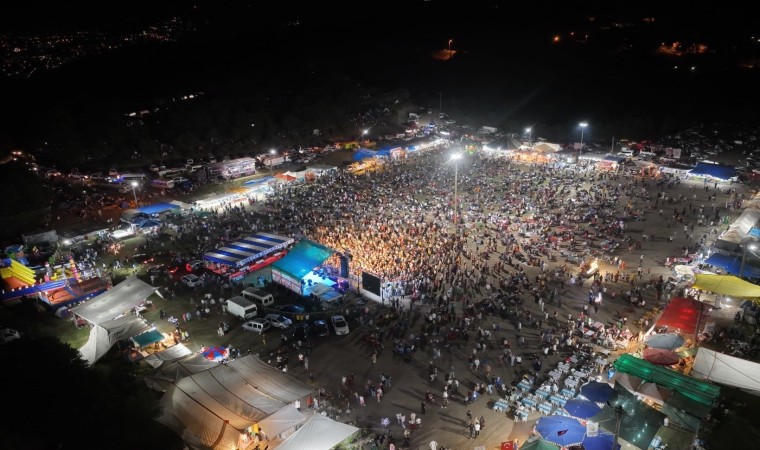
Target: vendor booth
x,y
243,256
296,271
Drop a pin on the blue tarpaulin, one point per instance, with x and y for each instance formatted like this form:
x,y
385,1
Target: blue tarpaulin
x,y
258,181
364,153
733,265
304,257
147,338
714,170
248,249
157,208
561,430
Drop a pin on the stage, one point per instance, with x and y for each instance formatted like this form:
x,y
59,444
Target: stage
x,y
312,279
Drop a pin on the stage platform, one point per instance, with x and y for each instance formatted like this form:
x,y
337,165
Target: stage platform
x,y
312,279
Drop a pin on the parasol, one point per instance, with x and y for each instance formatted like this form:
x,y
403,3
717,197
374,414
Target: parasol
x,y
582,409
597,392
216,353
560,430
668,341
661,356
602,441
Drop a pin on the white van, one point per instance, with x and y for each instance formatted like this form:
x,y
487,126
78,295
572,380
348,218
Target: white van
x,y
647,154
258,296
162,184
625,151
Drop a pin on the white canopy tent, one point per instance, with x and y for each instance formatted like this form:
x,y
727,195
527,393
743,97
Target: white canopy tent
x,y
212,408
170,354
725,369
739,229
318,433
115,302
105,335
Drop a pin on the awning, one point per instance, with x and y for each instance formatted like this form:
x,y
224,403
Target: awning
x,y
248,249
733,265
318,433
681,314
157,208
727,285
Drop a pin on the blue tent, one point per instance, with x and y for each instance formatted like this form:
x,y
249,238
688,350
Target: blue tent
x,y
560,430
147,338
364,153
597,392
602,441
582,409
157,208
304,257
714,170
248,249
733,265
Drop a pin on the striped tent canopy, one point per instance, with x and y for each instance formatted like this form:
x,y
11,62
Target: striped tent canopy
x,y
248,249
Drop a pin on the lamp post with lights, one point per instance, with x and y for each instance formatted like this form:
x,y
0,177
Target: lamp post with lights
x,y
134,185
529,130
272,153
583,126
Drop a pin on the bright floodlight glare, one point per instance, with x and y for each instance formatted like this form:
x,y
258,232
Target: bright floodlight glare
x,y
134,184
456,156
365,131
753,247
583,124
272,151
527,130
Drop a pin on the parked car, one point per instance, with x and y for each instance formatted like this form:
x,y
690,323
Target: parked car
x,y
293,309
302,331
191,280
320,328
339,325
259,326
194,265
279,321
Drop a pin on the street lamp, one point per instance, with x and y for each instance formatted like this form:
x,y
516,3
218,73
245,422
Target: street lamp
x,y
750,247
272,152
450,41
455,158
529,130
583,126
134,185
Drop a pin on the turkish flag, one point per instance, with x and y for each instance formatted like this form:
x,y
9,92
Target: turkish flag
x,y
508,445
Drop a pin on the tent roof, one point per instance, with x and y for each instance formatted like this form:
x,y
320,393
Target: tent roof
x,y
248,249
104,336
258,181
321,168
702,392
304,257
170,354
363,153
740,227
113,303
210,409
639,423
727,285
681,313
147,338
539,444
318,433
714,170
733,265
727,369
157,208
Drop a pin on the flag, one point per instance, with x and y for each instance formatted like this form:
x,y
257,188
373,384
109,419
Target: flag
x,y
560,433
509,445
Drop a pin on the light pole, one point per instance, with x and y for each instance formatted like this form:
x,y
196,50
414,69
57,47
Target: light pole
x,y
450,41
272,152
529,130
456,157
365,132
750,247
583,126
134,185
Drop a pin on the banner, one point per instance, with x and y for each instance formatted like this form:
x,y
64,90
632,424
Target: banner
x,y
592,429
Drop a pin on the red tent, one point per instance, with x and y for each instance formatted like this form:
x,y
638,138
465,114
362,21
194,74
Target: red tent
x,y
681,313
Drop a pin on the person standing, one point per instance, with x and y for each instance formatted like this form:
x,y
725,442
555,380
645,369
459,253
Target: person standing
x,y
433,445
422,407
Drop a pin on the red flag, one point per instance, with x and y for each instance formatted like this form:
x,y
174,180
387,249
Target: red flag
x,y
560,433
508,445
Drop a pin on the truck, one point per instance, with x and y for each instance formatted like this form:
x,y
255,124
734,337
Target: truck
x,y
242,308
273,160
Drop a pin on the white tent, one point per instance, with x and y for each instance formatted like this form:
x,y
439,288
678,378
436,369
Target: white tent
x,y
739,229
114,303
318,433
104,336
170,354
211,408
725,369
170,372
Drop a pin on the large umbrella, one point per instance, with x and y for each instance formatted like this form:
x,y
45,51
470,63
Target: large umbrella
x,y
561,430
661,356
582,409
654,392
597,392
668,341
628,381
216,353
602,441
